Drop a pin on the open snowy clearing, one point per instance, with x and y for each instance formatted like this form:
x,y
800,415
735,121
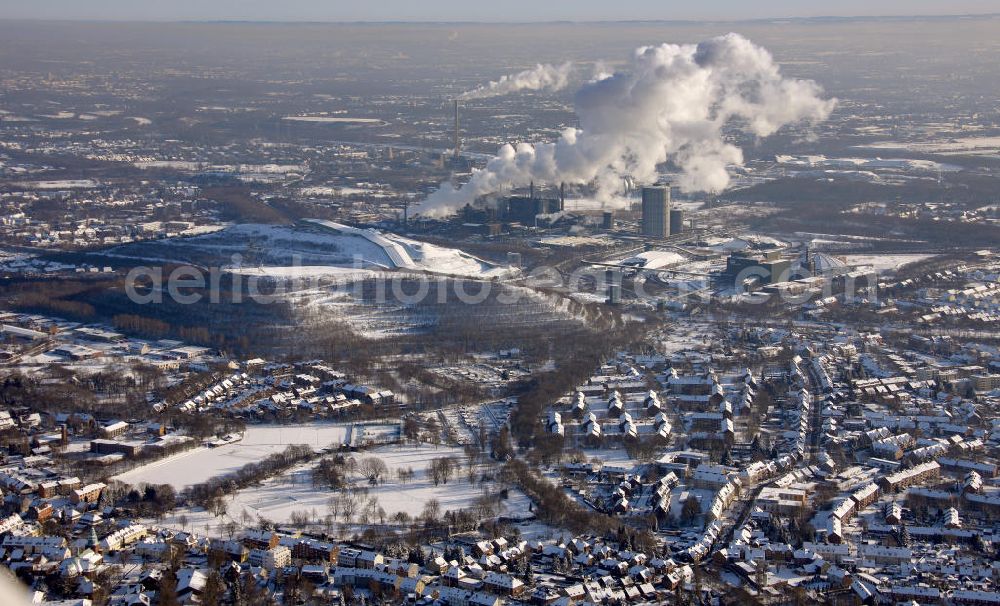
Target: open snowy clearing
x,y
199,464
333,120
275,499
59,184
952,146
883,263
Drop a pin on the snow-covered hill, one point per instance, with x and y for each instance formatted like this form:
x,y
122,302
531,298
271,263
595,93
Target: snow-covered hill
x,y
312,247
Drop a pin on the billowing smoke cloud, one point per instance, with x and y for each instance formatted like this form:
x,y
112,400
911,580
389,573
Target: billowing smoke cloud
x,y
540,77
671,104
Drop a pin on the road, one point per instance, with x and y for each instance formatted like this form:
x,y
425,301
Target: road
x,y
815,433
815,416
726,537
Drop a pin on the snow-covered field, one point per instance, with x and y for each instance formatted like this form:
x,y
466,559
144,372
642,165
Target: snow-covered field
x,y
612,457
685,337
59,184
882,263
199,464
867,163
277,498
174,164
326,191
333,120
952,146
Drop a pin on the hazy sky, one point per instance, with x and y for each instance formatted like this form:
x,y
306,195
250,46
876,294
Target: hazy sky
x,y
472,10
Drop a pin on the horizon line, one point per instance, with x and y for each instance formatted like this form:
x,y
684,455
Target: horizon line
x,y
994,14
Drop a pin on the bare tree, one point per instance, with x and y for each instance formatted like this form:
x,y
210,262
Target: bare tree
x,y
432,510
348,506
373,468
351,465
442,469
334,504
299,518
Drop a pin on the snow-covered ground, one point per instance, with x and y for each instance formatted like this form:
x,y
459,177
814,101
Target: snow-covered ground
x,y
333,120
986,145
612,457
199,464
336,274
59,184
277,498
404,253
867,163
744,242
285,250
174,164
655,259
345,191
883,263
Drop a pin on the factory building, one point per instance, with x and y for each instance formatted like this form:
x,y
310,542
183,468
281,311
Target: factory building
x,y
767,267
608,220
524,209
656,210
676,221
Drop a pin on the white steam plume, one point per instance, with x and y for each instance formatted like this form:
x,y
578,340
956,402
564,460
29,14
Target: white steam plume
x,y
540,77
672,104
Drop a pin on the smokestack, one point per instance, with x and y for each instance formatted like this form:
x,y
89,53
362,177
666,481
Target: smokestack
x,y
622,127
457,141
562,196
531,190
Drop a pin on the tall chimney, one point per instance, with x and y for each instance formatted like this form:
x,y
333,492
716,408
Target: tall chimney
x,y
531,190
457,141
562,196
